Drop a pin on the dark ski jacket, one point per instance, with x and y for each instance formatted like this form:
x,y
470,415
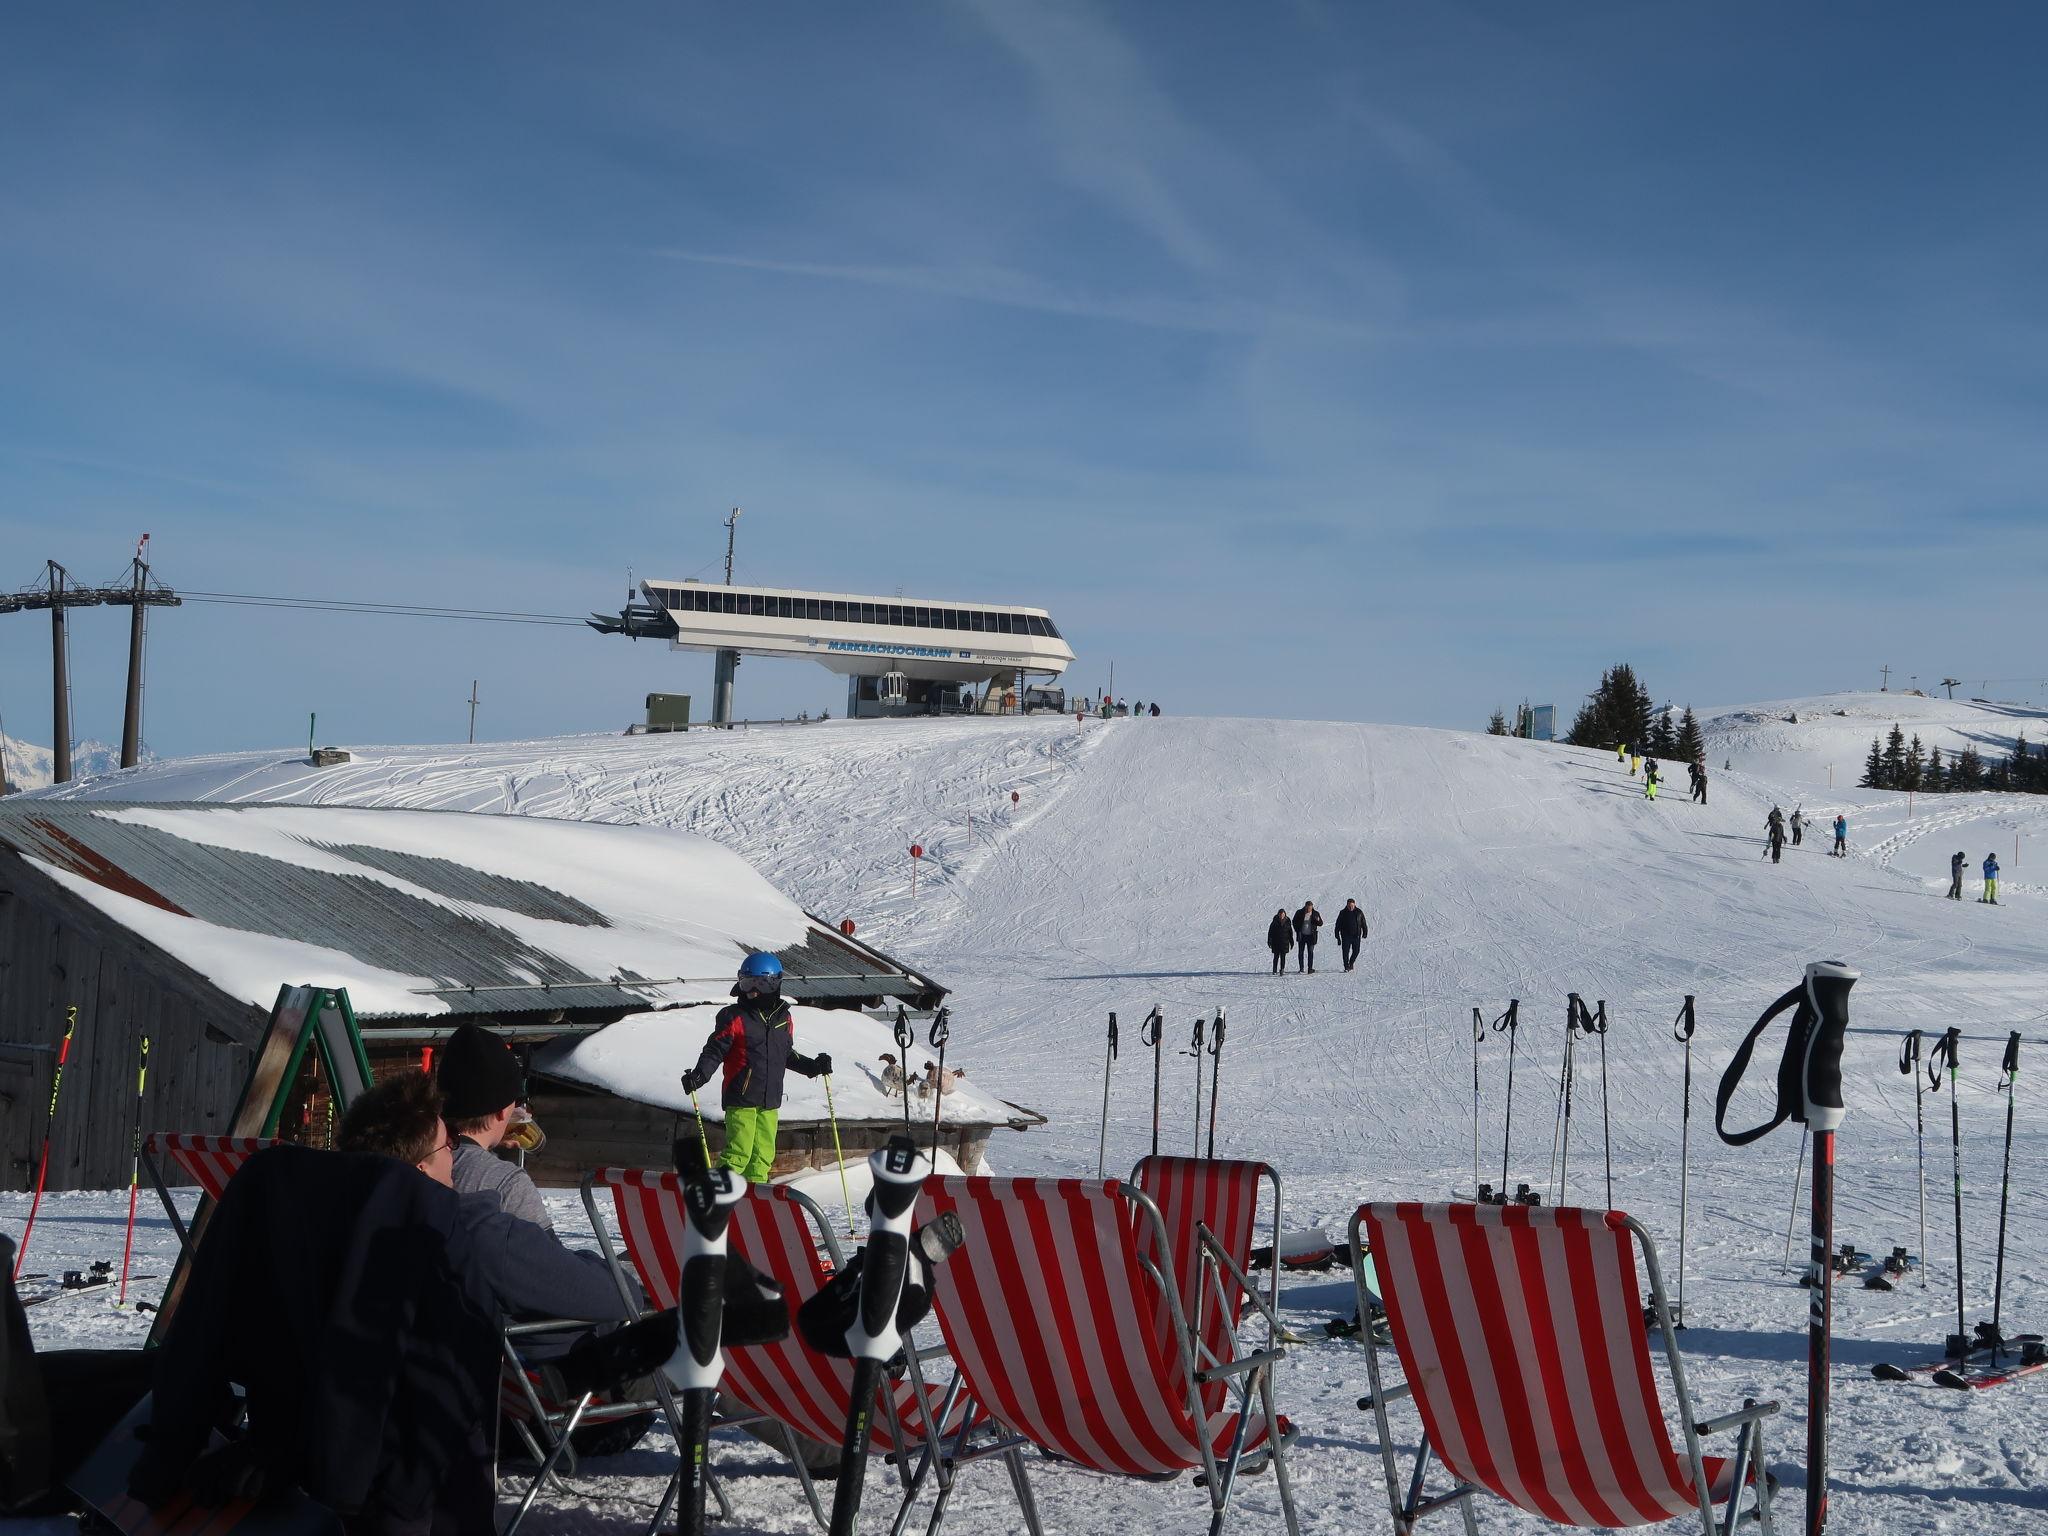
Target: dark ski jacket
x,y
756,1041
1955,866
1306,922
1280,934
1350,925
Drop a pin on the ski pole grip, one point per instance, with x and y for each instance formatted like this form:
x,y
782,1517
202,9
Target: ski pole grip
x,y
1827,989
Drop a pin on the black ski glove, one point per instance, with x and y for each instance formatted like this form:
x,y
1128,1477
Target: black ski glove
x,y
694,1079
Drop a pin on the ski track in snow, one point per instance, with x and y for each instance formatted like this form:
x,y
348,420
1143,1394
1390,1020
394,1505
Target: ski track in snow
x,y
1141,867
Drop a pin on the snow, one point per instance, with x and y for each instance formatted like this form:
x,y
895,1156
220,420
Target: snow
x,y
644,1055
32,767
1141,867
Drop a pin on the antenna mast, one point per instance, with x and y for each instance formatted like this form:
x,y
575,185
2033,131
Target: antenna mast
x,y
731,528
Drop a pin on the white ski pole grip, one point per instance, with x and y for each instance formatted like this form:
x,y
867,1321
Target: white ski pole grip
x,y
708,1199
899,1171
1827,994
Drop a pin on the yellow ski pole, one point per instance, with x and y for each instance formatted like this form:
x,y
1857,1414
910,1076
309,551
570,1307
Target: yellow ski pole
x,y
839,1152
703,1140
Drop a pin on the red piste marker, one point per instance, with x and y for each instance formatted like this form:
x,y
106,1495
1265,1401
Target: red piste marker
x,y
916,853
43,1164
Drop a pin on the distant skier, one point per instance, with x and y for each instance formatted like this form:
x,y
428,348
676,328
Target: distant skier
x,y
1280,940
1990,879
1955,876
1841,848
1650,779
1798,824
1307,922
1633,762
1153,709
1699,782
755,1041
1774,830
1350,930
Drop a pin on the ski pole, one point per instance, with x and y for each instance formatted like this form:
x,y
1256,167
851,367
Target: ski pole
x,y
1682,1028
941,1032
838,1152
1215,1076
1195,1050
899,1171
1909,1063
704,1139
134,1174
904,1040
1478,1034
49,1122
1944,1052
1573,1009
1798,1169
697,1365
1152,1032
1509,1022
1108,1057
2009,1070
1598,1024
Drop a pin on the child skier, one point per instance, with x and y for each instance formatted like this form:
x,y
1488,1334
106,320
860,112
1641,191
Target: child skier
x,y
756,1042
1798,824
1650,779
1841,849
1990,879
1955,876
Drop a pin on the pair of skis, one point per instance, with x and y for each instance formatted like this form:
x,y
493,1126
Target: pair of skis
x,y
1978,1365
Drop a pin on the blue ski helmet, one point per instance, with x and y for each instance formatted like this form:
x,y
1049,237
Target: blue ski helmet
x,y
761,968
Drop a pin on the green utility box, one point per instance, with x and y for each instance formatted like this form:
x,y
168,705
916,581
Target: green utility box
x,y
668,712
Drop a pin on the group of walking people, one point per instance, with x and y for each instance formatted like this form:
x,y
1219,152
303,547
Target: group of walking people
x,y
1653,774
1776,823
1300,931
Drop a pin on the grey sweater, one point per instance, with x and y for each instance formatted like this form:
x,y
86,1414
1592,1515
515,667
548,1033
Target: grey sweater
x,y
481,1172
532,1274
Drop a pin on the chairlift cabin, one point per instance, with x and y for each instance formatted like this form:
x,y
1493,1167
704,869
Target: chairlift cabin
x,y
893,689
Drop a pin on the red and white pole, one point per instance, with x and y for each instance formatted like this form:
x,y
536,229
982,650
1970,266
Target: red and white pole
x,y
916,854
43,1163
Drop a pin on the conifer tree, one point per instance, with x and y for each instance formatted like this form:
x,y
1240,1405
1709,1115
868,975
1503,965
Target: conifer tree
x,y
1692,745
1894,759
1936,777
1873,767
1968,772
1915,763
1498,725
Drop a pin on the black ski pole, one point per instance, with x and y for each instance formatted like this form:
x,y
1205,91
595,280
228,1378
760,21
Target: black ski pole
x,y
1944,1054
1810,1091
2009,1070
1681,1029
1510,1022
1108,1058
1215,1076
1152,1032
899,1171
941,1032
1478,1034
1909,1063
1598,1024
695,1368
904,1040
1195,1050
1573,1009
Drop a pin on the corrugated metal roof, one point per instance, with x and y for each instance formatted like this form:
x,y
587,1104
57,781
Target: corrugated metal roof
x,y
477,965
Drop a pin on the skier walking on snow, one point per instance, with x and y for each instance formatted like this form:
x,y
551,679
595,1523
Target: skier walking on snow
x,y
1306,922
1841,848
1991,878
1798,824
1650,778
1955,876
756,1042
1350,932
1699,783
1280,939
1774,829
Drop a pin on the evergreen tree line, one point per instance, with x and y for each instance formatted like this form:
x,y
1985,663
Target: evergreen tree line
x,y
1620,713
1898,762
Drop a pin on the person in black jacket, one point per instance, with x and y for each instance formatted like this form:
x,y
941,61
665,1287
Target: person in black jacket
x,y
1307,923
1350,932
1955,876
1280,939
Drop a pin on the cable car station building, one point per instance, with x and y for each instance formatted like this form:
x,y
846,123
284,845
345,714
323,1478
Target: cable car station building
x,y
900,656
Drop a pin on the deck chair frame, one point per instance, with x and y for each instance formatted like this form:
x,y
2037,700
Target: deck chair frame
x,y
1410,1507
1248,1375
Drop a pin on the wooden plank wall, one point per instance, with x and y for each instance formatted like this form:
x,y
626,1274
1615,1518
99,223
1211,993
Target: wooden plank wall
x,y
56,951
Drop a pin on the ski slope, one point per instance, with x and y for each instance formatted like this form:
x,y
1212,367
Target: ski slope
x,y
1139,867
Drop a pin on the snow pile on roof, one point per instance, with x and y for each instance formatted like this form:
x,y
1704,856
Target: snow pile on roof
x,y
500,904
643,1058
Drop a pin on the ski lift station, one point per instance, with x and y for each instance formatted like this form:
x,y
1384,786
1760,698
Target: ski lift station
x,y
899,655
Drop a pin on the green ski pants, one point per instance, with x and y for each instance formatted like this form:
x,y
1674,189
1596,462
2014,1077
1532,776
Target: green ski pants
x,y
750,1142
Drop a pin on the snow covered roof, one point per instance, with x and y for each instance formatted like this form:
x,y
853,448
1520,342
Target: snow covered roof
x,y
644,1055
436,912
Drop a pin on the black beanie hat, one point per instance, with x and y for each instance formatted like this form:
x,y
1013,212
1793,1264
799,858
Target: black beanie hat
x,y
478,1074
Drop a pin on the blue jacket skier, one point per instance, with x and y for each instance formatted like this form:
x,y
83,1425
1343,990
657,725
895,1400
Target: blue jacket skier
x,y
1991,878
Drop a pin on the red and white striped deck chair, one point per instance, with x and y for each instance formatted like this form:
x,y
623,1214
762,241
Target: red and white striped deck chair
x,y
1063,1311
208,1161
1520,1330
781,1232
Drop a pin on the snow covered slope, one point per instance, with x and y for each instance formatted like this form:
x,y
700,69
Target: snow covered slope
x,y
32,767
1141,865
1800,741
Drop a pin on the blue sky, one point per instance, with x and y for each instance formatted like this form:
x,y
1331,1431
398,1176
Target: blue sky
x,y
1379,362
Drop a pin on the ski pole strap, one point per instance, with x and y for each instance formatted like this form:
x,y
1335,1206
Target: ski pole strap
x,y
1150,1030
1196,1043
2010,1066
1112,1036
1596,1022
1478,1026
1909,1053
904,1037
1216,1035
1682,1026
1510,1021
1943,1058
1789,1096
942,1028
